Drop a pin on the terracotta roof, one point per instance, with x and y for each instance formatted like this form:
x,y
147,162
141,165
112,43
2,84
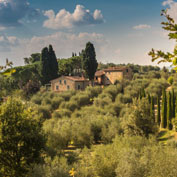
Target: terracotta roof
x,y
116,69
73,78
76,78
99,73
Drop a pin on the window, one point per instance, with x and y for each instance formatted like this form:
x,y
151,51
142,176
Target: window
x,y
78,87
57,87
60,81
68,87
96,78
65,82
127,70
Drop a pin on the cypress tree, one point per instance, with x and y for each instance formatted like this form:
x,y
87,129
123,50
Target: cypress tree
x,y
44,69
53,63
90,63
164,110
49,65
169,112
152,108
173,103
158,110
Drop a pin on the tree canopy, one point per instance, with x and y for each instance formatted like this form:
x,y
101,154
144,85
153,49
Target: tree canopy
x,y
48,65
90,63
161,56
21,140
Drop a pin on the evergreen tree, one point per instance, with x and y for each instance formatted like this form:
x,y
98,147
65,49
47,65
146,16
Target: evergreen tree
x,y
152,108
169,111
44,66
53,63
173,103
158,110
90,63
49,65
164,110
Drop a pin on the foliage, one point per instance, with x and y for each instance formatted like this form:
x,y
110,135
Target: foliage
x,y
170,26
21,140
169,112
89,61
164,110
139,120
35,57
48,65
70,66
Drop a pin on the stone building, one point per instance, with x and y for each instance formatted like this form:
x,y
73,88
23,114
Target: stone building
x,y
65,83
111,75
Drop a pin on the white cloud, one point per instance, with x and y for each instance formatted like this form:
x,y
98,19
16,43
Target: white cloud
x,y
142,26
168,2
64,43
7,42
172,10
65,19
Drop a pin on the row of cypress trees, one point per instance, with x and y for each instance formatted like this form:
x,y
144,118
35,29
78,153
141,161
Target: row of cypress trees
x,y
166,109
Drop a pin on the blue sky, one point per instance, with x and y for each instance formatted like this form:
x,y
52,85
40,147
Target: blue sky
x,y
123,31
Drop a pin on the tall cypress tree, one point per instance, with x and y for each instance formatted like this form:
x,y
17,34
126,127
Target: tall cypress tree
x,y
44,66
53,63
158,110
173,103
90,63
49,65
152,108
164,110
169,112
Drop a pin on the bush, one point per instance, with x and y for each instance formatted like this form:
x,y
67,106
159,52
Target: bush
x,y
56,101
45,111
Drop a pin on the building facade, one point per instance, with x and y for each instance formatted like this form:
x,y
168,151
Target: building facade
x,y
111,75
65,83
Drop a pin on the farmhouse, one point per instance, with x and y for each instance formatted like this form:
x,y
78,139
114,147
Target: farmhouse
x,y
111,75
65,83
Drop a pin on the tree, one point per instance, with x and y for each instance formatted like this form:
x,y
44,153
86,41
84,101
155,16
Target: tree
x,y
90,63
32,59
164,110
53,63
152,108
173,103
49,65
21,140
169,112
170,26
138,120
158,110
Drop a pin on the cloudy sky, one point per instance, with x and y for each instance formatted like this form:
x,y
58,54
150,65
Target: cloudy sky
x,y
123,31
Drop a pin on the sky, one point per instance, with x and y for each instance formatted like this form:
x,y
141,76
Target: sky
x,y
122,31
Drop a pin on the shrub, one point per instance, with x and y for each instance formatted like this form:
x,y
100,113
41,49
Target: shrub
x,y
45,111
56,101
